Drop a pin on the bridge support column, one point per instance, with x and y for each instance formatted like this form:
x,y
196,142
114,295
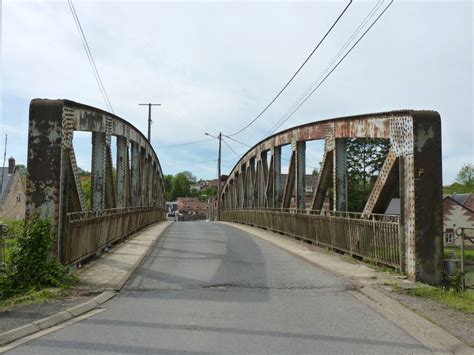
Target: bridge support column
x,y
340,174
421,195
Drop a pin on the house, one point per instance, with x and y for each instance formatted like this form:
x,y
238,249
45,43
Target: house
x,y
13,191
191,206
458,211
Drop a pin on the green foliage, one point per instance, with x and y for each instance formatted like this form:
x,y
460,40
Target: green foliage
x,y
461,301
452,282
464,181
86,183
168,179
31,265
466,175
180,186
365,158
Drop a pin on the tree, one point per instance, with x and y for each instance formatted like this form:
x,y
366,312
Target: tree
x,y
168,180
365,158
180,186
464,181
466,175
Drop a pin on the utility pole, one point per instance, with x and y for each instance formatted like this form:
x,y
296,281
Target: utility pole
x,y
149,118
219,137
219,179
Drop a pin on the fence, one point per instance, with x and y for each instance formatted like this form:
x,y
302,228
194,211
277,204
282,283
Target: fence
x,y
376,239
467,257
89,232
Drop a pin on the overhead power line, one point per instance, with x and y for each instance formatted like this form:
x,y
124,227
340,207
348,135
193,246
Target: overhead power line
x,y
182,144
90,57
295,74
292,111
232,149
356,32
235,140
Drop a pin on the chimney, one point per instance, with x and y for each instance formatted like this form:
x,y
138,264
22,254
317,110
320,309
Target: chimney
x,y
11,165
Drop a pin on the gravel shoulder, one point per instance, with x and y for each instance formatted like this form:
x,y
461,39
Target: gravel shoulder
x,y
454,322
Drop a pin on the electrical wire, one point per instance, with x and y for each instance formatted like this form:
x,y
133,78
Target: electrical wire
x,y
183,144
295,74
235,140
328,67
288,116
232,149
90,57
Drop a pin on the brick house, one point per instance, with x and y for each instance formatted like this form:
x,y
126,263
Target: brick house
x,y
192,206
12,197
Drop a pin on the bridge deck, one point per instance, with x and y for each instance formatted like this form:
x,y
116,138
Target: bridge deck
x,y
212,288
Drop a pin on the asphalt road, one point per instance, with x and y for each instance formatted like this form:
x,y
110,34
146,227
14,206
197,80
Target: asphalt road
x,y
210,288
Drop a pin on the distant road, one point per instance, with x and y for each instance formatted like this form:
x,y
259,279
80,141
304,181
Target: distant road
x,y
210,288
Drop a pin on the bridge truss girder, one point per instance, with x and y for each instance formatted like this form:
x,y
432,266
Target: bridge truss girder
x,y
54,190
414,161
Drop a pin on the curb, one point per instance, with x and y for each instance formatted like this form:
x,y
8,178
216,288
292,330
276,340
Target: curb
x,y
427,333
73,312
60,317
147,252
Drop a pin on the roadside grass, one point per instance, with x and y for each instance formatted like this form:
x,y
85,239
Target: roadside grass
x,y
468,253
41,296
460,301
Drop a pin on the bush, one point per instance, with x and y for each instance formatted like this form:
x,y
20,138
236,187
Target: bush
x,y
31,264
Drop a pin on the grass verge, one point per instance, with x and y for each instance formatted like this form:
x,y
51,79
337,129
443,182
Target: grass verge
x,y
460,301
30,297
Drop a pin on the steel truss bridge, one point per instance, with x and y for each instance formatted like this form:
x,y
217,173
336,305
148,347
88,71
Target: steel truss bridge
x,y
132,196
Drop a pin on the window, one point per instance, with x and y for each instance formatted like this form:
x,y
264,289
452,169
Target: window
x,y
449,236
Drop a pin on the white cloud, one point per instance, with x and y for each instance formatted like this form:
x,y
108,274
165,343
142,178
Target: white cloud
x,y
214,66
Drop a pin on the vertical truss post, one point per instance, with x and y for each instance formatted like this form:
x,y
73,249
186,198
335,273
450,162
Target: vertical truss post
x,y
290,182
262,172
122,167
99,152
300,174
135,173
251,183
276,176
340,175
242,187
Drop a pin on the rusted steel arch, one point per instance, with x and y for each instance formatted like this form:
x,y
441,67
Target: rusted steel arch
x,y
54,190
414,160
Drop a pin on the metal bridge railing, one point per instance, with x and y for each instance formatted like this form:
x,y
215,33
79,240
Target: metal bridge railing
x,y
89,232
376,239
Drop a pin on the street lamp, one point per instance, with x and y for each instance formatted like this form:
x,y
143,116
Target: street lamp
x,y
219,137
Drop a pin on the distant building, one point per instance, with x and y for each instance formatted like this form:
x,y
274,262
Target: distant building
x,y
13,191
457,212
191,208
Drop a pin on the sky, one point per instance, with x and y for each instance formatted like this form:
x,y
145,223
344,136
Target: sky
x,y
214,66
